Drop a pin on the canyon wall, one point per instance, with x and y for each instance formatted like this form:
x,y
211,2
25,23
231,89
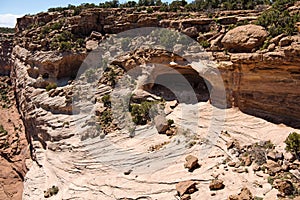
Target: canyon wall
x,y
261,82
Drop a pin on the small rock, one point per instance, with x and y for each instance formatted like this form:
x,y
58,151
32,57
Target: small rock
x,y
91,45
216,185
231,164
271,47
255,167
279,156
191,163
230,144
186,187
271,155
128,172
248,161
273,167
285,41
237,165
289,156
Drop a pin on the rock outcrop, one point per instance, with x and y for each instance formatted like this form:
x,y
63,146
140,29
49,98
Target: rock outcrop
x,y
244,38
6,46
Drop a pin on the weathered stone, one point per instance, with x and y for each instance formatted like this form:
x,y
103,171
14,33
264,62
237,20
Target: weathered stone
x,y
191,32
231,164
285,41
271,155
91,45
186,187
161,124
216,185
244,38
191,162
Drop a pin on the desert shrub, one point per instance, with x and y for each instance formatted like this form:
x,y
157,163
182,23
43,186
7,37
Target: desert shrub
x,y
170,122
106,118
45,30
51,191
106,100
149,10
166,37
56,25
65,46
205,44
80,42
293,143
6,30
278,20
51,86
2,130
141,112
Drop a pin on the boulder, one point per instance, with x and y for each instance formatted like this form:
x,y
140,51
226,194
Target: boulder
x,y
161,124
216,185
244,38
273,167
191,32
186,187
191,162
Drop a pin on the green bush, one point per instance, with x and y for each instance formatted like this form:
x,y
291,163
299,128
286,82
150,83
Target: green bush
x,y
106,118
2,130
51,191
141,112
170,122
106,101
205,44
65,46
149,10
7,30
293,143
278,20
56,25
51,86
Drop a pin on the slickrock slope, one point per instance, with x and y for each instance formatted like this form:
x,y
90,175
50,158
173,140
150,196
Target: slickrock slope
x,y
120,163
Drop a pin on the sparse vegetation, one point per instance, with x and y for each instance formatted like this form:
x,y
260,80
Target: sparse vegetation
x,y
205,44
106,101
278,19
141,112
293,144
2,130
51,86
6,30
51,191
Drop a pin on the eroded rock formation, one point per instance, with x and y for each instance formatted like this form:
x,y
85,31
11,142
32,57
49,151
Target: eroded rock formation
x,y
86,163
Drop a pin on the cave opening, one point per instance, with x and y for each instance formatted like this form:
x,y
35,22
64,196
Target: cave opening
x,y
187,88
